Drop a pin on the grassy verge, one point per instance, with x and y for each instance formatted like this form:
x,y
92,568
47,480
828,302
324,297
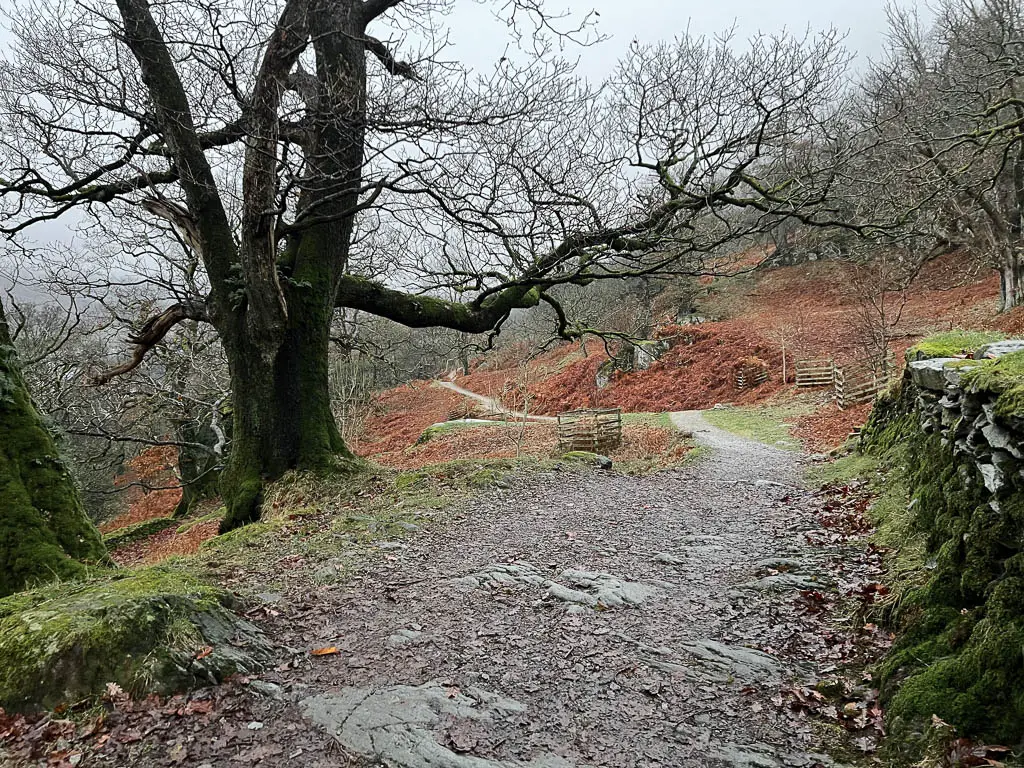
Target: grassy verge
x,y
315,527
447,427
767,424
662,420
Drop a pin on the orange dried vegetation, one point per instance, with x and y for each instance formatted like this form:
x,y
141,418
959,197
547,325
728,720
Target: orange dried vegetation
x,y
153,468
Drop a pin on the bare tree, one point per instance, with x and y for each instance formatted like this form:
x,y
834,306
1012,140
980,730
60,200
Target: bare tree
x,y
947,106
296,161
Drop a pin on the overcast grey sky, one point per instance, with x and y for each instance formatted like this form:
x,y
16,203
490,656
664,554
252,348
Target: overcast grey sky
x,y
478,38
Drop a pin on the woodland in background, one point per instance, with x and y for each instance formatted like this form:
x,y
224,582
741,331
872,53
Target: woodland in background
x,y
278,248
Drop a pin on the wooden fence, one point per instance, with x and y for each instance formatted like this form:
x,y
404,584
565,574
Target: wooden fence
x,y
851,384
815,373
595,429
857,385
750,376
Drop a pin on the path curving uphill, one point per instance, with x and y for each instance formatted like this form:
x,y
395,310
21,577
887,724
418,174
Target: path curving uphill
x,y
583,620
567,619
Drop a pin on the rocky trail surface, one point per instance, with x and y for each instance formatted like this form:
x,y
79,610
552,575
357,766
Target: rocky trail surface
x,y
563,620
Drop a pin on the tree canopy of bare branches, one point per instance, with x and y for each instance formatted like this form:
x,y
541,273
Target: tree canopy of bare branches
x,y
272,162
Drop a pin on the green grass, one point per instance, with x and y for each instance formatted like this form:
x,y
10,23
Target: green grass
x,y
325,522
853,466
952,343
436,430
767,424
648,420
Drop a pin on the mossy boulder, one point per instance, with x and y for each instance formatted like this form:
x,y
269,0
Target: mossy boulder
x,y
589,458
132,533
153,630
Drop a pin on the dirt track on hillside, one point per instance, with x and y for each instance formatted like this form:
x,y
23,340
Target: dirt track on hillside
x,y
563,620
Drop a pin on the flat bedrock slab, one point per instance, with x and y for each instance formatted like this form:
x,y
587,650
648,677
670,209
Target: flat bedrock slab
x,y
397,724
725,662
574,585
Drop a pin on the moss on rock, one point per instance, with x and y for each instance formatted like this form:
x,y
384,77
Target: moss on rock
x,y
952,344
959,653
132,533
1003,377
145,631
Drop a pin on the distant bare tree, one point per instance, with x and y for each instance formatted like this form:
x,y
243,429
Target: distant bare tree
x,y
947,106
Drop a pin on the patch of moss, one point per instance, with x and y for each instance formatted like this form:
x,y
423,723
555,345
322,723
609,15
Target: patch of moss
x,y
142,630
586,457
1003,376
952,344
132,533
979,688
410,479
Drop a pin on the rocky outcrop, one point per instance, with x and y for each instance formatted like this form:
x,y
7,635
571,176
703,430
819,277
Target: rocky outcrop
x,y
153,630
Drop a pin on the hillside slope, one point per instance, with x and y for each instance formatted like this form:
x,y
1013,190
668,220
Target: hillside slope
x,y
813,310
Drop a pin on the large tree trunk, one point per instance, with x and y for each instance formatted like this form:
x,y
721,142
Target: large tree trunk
x,y
277,346
1011,282
281,409
45,532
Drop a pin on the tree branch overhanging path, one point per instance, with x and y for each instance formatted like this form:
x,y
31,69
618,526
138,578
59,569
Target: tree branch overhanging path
x,y
291,160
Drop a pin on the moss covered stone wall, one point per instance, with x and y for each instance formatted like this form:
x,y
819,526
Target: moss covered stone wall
x,y
957,423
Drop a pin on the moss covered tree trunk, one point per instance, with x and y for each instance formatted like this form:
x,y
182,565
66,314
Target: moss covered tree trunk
x,y
44,530
282,407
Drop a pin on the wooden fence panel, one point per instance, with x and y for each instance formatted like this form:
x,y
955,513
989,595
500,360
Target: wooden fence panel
x,y
853,386
594,429
747,378
815,373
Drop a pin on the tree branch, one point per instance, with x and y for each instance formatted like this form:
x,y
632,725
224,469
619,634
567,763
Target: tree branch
x,y
152,333
387,58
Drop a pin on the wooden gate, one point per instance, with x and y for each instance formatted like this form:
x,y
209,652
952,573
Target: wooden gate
x,y
815,373
593,429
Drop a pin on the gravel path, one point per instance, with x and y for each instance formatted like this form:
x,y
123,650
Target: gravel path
x,y
567,619
493,405
578,620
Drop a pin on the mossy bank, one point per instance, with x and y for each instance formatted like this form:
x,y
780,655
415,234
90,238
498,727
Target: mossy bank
x,y
151,630
951,437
